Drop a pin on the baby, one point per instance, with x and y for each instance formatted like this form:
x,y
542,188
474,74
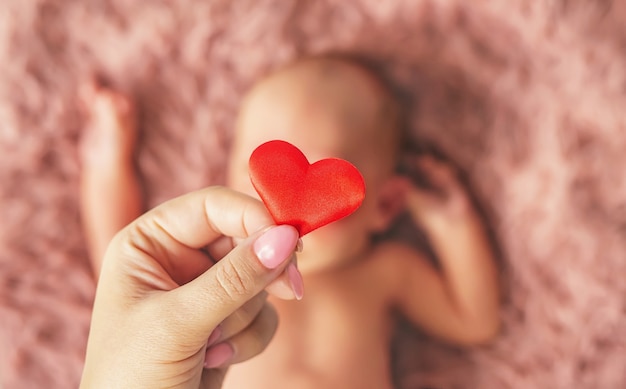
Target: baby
x,y
339,334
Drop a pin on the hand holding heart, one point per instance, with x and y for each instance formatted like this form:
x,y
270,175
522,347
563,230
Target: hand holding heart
x,y
166,315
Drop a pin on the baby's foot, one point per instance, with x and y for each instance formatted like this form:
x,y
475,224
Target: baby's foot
x,y
111,132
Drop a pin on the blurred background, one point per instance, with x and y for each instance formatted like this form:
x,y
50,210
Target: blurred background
x,y
529,98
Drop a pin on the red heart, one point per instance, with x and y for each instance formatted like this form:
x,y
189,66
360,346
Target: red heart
x,y
306,196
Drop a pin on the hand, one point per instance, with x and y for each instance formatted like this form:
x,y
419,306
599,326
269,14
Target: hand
x,y
442,200
166,315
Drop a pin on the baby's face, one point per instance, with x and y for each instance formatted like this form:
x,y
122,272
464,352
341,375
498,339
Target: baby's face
x,y
323,109
330,246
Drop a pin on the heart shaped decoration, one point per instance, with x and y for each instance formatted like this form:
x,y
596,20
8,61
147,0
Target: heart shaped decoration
x,y
306,196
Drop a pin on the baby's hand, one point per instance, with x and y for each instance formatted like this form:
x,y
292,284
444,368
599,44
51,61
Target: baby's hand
x,y
442,198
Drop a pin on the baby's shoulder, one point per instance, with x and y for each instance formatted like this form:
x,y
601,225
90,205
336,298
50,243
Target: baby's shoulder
x,y
389,258
393,250
386,265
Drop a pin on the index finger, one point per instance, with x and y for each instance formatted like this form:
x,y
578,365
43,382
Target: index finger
x,y
196,219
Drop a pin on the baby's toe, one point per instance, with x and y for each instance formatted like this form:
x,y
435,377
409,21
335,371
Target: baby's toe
x,y
121,102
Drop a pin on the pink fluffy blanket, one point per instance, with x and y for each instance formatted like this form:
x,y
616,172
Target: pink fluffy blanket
x,y
527,97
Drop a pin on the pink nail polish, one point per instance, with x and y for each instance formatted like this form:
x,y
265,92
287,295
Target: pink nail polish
x,y
217,355
215,335
276,245
295,279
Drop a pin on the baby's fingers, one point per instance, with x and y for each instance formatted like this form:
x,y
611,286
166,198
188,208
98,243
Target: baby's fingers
x,y
441,175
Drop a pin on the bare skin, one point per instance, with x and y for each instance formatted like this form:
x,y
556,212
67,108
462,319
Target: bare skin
x,y
339,335
111,195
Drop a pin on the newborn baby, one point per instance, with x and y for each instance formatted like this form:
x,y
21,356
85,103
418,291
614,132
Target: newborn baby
x,y
338,335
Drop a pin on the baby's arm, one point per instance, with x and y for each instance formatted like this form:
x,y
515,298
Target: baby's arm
x,y
460,301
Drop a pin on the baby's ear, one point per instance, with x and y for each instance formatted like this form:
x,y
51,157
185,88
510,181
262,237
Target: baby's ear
x,y
390,201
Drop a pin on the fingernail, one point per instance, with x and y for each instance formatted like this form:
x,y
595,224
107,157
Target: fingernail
x,y
276,245
217,332
218,355
295,279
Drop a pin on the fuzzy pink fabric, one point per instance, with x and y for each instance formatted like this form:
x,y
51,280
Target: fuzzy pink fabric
x,y
528,97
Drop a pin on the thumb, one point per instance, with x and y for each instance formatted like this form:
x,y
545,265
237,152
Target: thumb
x,y
242,274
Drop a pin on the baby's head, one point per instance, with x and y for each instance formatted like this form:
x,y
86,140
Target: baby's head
x,y
328,107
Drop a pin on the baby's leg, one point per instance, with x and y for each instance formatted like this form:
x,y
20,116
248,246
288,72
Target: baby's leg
x,y
110,194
